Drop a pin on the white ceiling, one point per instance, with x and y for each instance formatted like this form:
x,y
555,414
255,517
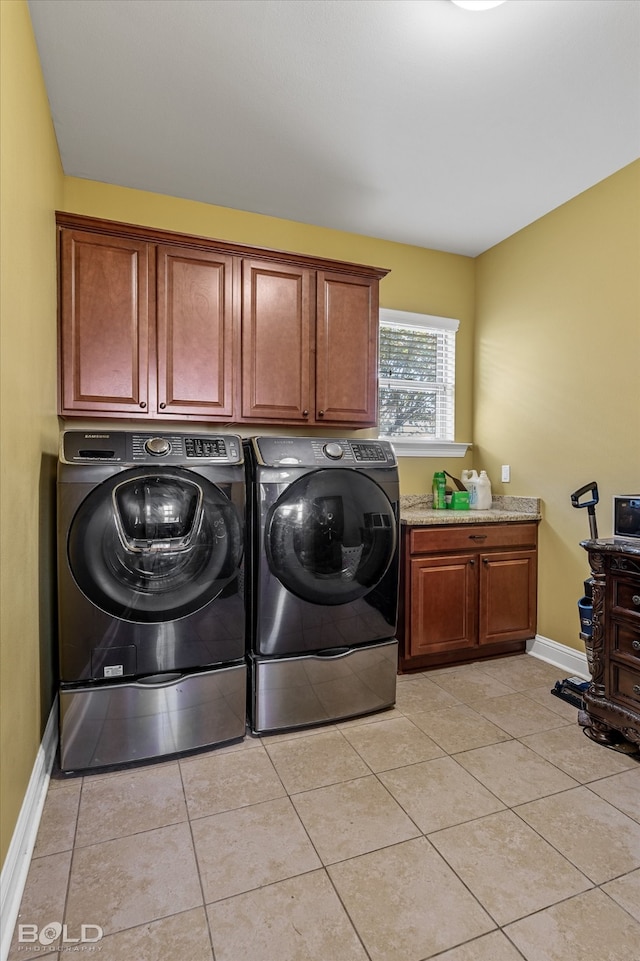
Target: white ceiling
x,y
409,120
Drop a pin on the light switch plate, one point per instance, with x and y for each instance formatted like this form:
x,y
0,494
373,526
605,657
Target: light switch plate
x,y
506,473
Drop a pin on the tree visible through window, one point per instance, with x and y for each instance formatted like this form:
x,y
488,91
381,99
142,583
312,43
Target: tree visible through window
x,y
416,375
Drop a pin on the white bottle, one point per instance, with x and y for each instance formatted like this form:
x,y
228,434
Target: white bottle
x,y
470,480
483,493
467,476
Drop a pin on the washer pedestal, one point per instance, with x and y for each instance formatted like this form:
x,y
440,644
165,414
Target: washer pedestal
x,y
151,717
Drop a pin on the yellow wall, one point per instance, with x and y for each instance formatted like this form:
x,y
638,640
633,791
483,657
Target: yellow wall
x,y
426,281
557,362
30,190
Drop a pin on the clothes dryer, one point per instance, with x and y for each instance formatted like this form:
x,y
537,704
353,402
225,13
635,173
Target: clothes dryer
x,y
150,594
323,593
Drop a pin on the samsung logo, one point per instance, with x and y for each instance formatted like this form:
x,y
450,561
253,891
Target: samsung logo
x,y
101,436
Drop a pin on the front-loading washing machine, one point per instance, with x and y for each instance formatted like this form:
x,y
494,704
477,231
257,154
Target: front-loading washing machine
x,y
323,519
151,530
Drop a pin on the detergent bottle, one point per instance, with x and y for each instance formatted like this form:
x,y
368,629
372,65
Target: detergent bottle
x,y
470,480
483,493
468,475
439,490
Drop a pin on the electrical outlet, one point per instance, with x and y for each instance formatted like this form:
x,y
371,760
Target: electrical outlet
x,y
506,473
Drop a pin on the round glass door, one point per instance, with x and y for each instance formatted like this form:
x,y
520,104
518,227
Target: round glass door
x,y
331,536
151,546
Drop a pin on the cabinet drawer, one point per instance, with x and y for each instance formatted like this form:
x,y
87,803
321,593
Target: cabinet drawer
x,y
626,640
626,684
626,595
425,540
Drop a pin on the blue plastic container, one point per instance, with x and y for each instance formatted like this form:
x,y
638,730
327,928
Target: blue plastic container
x,y
585,609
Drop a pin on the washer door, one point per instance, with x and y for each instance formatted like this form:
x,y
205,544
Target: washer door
x,y
151,546
331,536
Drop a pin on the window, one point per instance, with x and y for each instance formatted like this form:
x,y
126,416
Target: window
x,y
417,382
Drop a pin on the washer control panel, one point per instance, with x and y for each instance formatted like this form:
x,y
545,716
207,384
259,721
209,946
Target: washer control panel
x,y
315,452
133,447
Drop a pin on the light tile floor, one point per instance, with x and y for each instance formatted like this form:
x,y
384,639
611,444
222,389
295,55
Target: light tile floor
x,y
473,822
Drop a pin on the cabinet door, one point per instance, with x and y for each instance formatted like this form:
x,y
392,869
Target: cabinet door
x,y
276,340
347,350
444,601
195,333
104,324
508,583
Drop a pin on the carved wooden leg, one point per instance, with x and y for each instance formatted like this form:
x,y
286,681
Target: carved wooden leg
x,y
595,644
600,732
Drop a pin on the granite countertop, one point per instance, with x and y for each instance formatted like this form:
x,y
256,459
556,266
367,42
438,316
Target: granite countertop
x,y
611,545
416,510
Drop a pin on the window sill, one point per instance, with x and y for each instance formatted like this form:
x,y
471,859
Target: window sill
x,y
417,447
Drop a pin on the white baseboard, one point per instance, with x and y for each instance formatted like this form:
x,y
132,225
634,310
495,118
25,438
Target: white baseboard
x,y
16,865
573,662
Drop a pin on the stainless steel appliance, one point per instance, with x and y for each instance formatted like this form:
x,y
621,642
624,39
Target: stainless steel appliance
x,y
150,593
323,520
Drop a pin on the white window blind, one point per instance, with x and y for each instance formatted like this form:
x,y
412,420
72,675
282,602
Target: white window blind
x,y
417,376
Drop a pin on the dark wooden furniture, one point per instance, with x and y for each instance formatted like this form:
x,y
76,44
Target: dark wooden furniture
x,y
468,591
165,326
613,649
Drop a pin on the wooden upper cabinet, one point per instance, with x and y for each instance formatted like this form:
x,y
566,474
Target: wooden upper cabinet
x,y
276,342
163,325
346,350
309,346
195,332
104,324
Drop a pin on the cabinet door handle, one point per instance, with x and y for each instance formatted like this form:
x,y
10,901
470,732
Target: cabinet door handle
x,y
472,562
162,405
635,645
320,413
305,413
485,560
142,404
636,599
636,688
477,537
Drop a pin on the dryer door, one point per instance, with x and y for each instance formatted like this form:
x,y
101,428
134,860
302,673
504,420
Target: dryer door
x,y
331,536
151,546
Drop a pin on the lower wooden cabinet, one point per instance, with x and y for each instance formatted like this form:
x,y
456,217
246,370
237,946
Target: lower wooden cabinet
x,y
468,591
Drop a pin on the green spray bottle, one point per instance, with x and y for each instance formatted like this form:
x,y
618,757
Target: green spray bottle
x,y
439,488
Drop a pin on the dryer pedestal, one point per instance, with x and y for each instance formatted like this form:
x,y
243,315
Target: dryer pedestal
x,y
298,691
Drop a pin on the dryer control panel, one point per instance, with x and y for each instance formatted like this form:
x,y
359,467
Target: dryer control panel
x,y
137,447
325,452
